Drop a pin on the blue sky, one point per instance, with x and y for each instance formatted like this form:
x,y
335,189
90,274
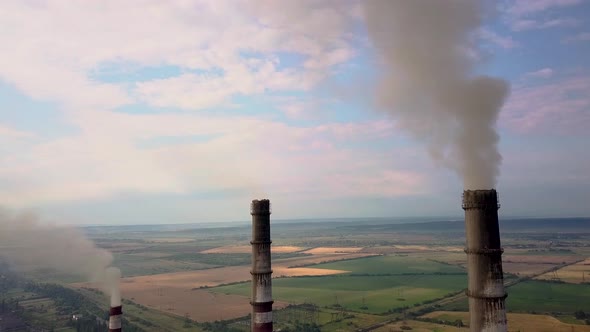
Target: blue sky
x,y
183,111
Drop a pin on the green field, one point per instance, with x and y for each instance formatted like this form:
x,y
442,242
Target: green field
x,y
380,265
135,265
540,297
377,294
549,297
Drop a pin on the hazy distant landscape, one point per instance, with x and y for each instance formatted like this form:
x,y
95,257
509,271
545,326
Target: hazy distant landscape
x,y
335,275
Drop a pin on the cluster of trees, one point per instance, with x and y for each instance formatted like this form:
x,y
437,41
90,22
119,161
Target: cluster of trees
x,y
88,324
219,327
303,327
456,322
69,302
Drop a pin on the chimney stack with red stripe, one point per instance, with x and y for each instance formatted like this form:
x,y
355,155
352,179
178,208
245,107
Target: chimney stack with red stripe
x,y
113,279
115,319
261,267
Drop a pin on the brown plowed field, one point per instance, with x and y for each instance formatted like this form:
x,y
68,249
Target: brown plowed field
x,y
200,305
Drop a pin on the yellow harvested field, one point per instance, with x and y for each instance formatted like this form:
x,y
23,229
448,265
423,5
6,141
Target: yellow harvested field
x,y
418,326
282,271
576,273
317,259
540,259
518,322
428,248
332,250
525,269
248,249
215,277
396,249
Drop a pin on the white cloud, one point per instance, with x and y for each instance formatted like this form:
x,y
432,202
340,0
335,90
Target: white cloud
x,y
7,132
55,45
505,42
197,91
221,49
260,156
580,37
541,73
523,7
553,107
522,15
533,24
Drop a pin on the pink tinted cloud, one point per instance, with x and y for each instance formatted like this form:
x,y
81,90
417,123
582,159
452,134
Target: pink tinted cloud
x,y
505,42
522,15
560,106
522,7
580,37
533,24
541,73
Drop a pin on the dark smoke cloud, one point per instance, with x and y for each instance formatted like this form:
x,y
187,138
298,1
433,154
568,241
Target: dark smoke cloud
x,y
28,244
428,56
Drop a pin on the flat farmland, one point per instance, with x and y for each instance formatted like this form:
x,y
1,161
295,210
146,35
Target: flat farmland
x,y
183,293
371,294
418,326
140,265
392,264
248,249
332,250
516,322
525,269
540,297
413,249
576,273
543,296
199,305
316,259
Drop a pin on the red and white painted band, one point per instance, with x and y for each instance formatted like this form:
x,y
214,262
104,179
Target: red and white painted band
x,y
263,317
115,322
263,294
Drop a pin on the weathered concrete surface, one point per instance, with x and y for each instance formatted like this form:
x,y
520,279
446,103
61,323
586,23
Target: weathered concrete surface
x,y
484,262
261,267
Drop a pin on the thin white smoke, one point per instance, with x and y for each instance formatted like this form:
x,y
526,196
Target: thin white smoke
x,y
112,283
428,54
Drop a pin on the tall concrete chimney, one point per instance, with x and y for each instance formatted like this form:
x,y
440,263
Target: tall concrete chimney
x,y
485,289
261,267
115,318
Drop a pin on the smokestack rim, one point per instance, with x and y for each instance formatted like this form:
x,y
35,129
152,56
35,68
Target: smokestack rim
x,y
480,199
260,207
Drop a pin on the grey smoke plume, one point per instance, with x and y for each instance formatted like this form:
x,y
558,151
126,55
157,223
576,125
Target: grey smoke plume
x,y
112,283
28,244
429,84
